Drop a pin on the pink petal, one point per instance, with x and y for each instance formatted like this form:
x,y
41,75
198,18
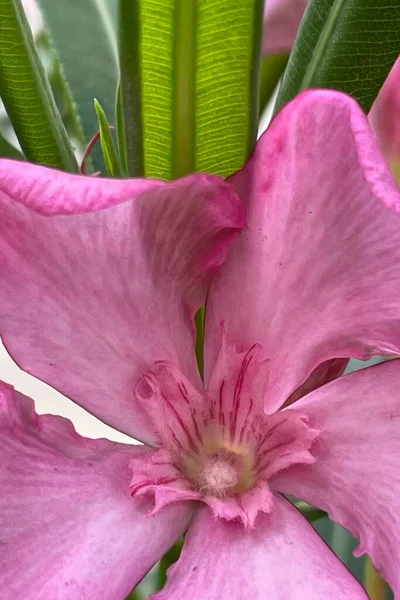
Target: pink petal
x,y
320,257
170,402
385,119
282,557
245,506
68,525
356,475
89,301
52,192
157,476
281,21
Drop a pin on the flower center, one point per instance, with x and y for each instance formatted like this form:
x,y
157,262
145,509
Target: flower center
x,y
217,446
220,471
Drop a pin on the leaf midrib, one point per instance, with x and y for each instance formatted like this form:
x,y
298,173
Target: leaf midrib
x,y
322,44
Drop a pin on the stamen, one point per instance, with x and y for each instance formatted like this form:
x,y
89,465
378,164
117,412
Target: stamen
x,y
221,470
219,474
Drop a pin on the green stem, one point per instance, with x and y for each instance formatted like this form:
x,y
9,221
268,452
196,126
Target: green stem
x,y
373,582
184,101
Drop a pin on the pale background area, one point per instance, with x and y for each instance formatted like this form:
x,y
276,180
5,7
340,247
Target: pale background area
x,y
47,400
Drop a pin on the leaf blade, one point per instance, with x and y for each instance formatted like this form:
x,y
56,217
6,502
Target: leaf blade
x,y
89,64
349,45
184,96
211,109
110,154
239,27
120,124
27,95
129,101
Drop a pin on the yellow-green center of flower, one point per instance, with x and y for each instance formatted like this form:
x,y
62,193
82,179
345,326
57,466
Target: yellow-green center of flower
x,y
221,469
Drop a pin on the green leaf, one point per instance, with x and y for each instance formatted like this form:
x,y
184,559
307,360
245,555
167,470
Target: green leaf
x,y
375,586
185,79
136,595
348,45
166,562
199,346
7,150
26,93
199,84
120,124
129,109
310,512
83,35
111,158
272,69
342,543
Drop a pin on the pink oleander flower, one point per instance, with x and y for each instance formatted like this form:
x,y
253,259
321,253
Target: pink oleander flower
x,y
99,282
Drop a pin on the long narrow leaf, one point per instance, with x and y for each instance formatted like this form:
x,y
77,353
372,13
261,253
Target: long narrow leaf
x,y
184,88
111,158
121,132
129,112
199,88
349,45
83,34
26,93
